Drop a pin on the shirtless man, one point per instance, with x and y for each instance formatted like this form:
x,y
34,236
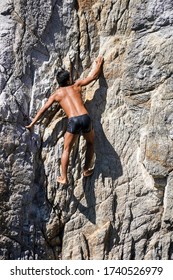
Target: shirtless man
x,y
70,99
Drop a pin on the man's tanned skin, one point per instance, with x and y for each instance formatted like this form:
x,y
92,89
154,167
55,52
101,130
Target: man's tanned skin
x,y
70,99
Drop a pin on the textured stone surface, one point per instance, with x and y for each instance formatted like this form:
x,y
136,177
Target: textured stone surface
x,y
125,210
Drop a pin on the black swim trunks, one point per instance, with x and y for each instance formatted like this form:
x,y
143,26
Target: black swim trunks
x,y
79,124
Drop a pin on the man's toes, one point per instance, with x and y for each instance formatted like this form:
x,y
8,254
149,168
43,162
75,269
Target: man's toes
x,y
61,180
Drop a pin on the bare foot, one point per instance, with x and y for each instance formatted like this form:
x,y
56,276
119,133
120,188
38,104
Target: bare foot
x,y
61,180
88,172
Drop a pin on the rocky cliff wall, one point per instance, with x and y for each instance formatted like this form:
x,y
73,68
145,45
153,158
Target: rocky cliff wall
x,y
125,210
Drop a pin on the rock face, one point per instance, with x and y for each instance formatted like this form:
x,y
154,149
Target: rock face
x,y
125,210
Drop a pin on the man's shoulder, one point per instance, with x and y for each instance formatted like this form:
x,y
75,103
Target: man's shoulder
x,y
63,91
56,96
58,91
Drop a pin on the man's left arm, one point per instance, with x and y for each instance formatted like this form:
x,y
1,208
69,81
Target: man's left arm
x,y
41,111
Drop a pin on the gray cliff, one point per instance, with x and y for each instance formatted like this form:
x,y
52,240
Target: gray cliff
x,y
125,209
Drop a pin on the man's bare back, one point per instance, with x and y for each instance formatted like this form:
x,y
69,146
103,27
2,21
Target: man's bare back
x,y
70,99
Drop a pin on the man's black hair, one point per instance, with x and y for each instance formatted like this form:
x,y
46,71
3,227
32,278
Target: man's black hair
x,y
63,77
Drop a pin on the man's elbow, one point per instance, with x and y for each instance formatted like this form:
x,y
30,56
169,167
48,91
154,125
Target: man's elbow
x,y
94,76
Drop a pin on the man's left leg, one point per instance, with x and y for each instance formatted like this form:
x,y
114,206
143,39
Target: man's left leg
x,y
89,137
68,144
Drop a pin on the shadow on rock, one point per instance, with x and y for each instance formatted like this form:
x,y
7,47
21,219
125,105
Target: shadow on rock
x,y
107,163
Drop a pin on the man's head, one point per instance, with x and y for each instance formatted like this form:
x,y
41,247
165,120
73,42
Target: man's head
x,y
63,78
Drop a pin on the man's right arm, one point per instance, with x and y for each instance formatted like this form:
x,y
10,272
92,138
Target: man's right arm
x,y
41,111
93,75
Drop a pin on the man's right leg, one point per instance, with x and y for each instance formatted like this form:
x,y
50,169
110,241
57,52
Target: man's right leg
x,y
68,144
89,137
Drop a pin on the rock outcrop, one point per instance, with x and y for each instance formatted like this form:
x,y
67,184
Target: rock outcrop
x,y
124,210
